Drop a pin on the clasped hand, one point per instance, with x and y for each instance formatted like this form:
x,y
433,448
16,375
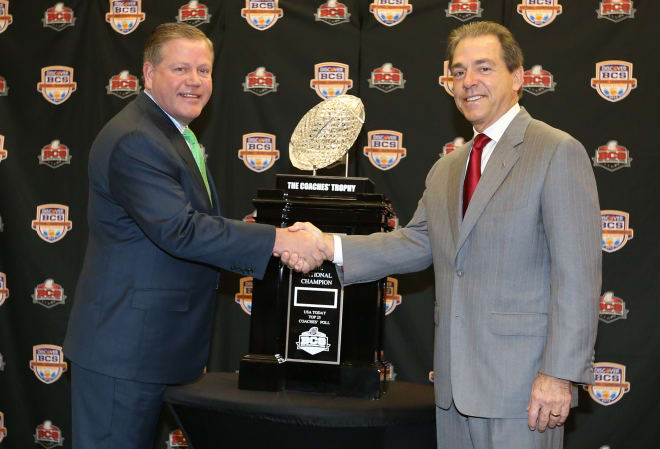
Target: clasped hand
x,y
303,247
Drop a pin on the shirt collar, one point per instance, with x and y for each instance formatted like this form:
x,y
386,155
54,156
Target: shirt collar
x,y
496,130
178,125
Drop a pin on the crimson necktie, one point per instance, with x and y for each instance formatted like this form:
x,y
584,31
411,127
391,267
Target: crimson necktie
x,y
473,172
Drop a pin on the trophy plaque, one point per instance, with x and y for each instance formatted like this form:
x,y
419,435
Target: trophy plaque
x,y
307,331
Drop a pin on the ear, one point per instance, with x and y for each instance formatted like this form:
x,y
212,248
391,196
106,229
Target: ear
x,y
518,77
147,73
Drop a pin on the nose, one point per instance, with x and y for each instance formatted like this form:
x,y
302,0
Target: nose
x,y
193,78
469,79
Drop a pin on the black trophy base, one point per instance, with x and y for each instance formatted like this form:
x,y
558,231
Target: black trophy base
x,y
268,373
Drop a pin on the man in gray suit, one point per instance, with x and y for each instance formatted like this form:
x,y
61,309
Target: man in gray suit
x,y
517,261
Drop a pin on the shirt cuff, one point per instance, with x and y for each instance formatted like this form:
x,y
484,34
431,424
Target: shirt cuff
x,y
338,257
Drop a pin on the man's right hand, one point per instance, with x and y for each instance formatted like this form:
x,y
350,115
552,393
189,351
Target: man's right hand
x,y
302,247
297,261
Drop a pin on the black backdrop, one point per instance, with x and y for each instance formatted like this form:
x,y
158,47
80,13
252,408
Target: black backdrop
x,y
568,46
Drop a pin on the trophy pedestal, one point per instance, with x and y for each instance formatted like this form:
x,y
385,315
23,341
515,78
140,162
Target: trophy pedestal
x,y
307,332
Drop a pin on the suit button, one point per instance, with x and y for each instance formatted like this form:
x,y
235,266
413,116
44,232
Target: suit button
x,y
459,273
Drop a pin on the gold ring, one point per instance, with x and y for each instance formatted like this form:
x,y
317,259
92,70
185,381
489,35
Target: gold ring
x,y
555,415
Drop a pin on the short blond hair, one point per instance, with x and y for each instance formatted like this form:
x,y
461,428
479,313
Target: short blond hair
x,y
169,31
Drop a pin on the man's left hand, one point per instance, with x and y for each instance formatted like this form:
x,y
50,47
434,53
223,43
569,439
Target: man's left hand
x,y
549,402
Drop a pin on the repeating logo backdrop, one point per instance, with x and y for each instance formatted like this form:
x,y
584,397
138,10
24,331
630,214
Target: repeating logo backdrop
x,y
67,67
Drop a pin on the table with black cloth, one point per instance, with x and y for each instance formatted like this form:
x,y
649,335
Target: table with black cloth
x,y
214,413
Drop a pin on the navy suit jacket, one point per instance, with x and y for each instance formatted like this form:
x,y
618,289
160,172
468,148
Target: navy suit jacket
x,y
144,301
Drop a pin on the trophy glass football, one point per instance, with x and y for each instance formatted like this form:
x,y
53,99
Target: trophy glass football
x,y
326,133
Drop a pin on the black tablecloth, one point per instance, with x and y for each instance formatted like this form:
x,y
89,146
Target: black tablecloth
x,y
213,412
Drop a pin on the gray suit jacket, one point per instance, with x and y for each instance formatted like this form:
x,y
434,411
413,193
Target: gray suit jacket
x,y
517,279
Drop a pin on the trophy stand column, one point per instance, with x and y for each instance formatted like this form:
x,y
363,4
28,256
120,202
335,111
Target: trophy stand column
x,y
307,332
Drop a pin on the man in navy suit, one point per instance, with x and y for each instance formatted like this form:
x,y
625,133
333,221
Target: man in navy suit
x,y
141,319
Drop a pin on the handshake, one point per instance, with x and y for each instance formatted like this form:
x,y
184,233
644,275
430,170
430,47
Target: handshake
x,y
303,247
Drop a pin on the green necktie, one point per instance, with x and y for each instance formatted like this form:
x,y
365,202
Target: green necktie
x,y
198,155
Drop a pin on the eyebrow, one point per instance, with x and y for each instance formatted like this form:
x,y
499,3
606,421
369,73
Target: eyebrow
x,y
477,62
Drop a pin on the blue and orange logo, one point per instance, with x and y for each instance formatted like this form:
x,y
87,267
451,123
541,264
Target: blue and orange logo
x,y
614,80
57,83
125,15
384,149
244,295
52,222
48,363
259,152
331,79
609,383
390,12
4,291
539,13
261,14
616,230
446,80
5,20
392,296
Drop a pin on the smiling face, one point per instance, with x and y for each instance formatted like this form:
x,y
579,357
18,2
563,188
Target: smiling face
x,y
484,89
181,82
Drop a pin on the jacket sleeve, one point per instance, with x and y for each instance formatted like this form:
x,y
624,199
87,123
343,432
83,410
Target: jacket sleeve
x,y
571,221
144,180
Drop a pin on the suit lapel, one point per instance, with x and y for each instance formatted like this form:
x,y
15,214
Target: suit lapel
x,y
504,157
163,122
455,188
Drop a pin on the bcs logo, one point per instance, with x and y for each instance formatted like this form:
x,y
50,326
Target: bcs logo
x,y
464,10
125,15
5,20
58,17
384,150
258,152
4,88
260,82
4,291
614,80
446,80
48,294
3,152
612,156
616,10
244,295
176,440
537,81
193,13
3,429
123,85
57,83
615,229
2,364
386,78
390,12
52,222
392,297
54,155
332,13
451,146
612,308
261,14
331,79
48,435
539,13
609,383
47,363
